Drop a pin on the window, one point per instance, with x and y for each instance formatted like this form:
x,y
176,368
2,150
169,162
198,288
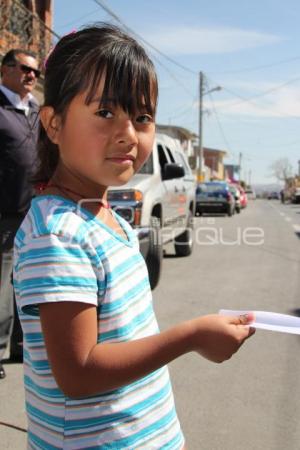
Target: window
x,y
170,155
161,156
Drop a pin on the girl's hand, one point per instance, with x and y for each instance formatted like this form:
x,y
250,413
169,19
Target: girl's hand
x,y
217,337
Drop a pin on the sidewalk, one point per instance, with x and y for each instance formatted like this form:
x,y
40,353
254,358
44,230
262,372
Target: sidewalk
x,y
12,408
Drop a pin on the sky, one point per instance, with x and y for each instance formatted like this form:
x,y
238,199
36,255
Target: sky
x,y
250,49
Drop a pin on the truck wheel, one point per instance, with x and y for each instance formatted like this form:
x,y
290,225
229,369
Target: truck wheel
x,y
184,242
155,253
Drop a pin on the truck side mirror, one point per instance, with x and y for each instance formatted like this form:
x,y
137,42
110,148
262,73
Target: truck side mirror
x,y
172,170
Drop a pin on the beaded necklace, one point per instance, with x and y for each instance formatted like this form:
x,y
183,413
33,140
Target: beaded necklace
x,y
41,187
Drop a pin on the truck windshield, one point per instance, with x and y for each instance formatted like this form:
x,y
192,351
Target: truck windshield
x,y
147,168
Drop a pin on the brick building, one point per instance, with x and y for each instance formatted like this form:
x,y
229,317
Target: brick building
x,y
27,24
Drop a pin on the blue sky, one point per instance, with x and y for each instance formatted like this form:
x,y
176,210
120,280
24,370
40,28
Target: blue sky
x,y
250,49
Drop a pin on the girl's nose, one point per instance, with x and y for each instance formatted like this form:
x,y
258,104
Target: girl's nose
x,y
127,133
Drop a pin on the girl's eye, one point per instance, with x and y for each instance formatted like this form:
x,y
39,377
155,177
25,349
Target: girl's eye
x,y
144,118
105,113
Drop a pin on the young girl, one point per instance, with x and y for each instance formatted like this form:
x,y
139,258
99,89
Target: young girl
x,y
95,374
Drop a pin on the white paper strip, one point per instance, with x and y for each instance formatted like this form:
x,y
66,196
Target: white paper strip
x,y
269,320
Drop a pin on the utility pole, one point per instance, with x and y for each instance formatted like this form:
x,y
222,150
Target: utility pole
x,y
200,156
200,148
240,166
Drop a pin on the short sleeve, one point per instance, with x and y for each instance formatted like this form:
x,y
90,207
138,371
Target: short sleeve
x,y
54,268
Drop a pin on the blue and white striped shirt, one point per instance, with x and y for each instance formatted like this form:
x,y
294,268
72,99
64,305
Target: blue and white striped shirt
x,y
64,253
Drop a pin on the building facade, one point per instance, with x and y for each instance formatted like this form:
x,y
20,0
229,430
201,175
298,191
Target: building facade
x,y
214,159
186,137
27,24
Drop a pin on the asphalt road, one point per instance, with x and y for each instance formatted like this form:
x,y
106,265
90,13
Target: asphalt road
x,y
252,402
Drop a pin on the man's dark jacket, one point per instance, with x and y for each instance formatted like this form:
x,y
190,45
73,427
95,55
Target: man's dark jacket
x,y
18,143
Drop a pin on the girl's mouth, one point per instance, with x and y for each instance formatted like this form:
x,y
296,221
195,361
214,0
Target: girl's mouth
x,y
126,159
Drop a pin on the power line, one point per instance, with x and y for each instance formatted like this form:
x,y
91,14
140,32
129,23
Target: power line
x,y
120,21
184,111
283,145
269,91
261,107
173,76
112,14
261,144
262,94
254,68
220,125
79,19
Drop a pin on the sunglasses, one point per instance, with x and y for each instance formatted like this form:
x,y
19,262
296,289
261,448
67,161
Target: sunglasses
x,y
27,69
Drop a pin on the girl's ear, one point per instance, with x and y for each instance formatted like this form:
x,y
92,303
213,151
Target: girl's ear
x,y
50,122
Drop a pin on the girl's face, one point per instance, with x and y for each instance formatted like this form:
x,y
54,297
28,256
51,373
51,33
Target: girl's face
x,y
102,145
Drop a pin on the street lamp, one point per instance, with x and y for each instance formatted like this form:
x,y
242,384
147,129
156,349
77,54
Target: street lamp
x,y
200,148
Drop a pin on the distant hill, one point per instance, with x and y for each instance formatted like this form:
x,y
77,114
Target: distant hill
x,y
260,188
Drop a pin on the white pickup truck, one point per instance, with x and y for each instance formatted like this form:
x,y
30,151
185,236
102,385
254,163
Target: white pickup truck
x,y
159,202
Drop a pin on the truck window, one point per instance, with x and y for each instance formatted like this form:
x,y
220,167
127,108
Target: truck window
x,y
161,156
170,155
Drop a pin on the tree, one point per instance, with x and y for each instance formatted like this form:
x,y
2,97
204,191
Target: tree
x,y
282,169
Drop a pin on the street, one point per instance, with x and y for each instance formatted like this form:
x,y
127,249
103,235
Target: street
x,y
252,402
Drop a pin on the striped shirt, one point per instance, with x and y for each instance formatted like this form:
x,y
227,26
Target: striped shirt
x,y
64,253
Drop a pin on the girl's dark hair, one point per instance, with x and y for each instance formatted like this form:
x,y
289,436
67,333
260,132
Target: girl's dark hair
x,y
77,64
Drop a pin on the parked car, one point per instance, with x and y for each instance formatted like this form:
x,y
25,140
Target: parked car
x,y
214,196
273,195
237,197
295,198
243,197
159,202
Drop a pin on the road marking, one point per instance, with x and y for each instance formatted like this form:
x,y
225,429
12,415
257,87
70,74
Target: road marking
x,y
287,219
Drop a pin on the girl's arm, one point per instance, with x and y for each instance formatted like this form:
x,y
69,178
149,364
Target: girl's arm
x,y
82,367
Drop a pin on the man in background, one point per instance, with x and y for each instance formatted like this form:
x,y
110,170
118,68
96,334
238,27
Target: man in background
x,y
18,138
